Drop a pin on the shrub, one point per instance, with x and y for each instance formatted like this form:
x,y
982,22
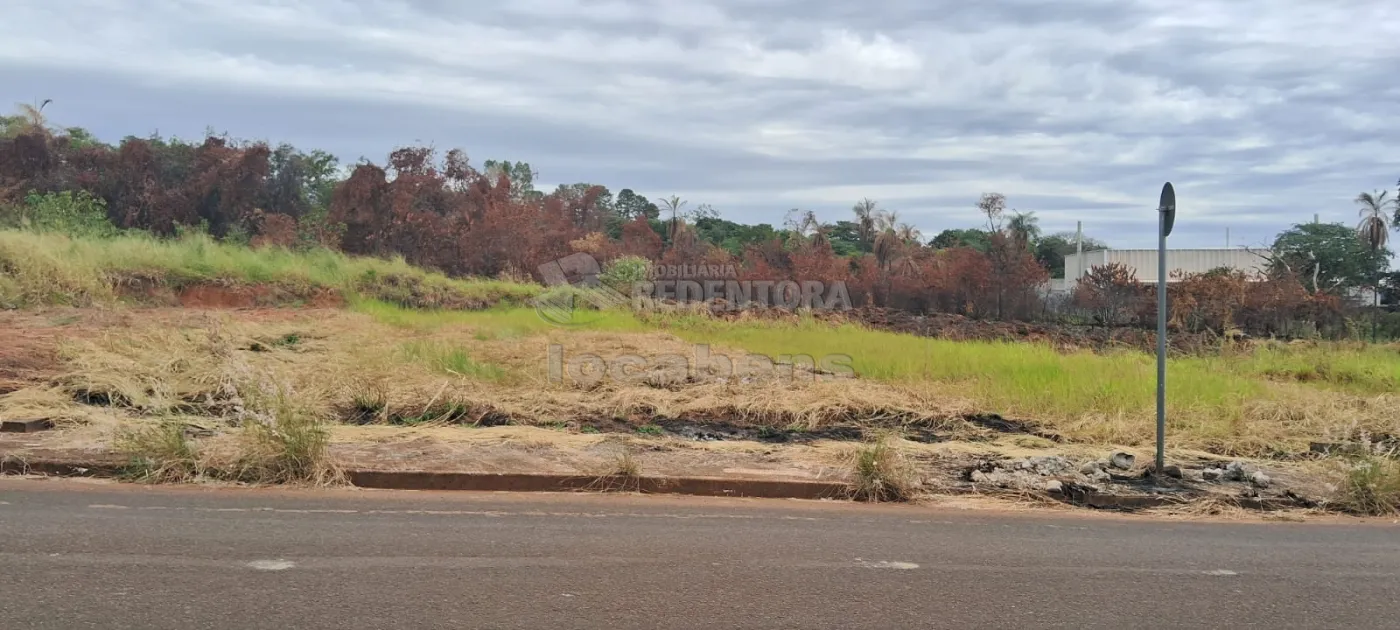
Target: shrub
x,y
74,213
623,273
882,473
1110,293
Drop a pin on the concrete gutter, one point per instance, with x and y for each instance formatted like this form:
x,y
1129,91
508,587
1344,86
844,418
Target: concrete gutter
x,y
695,486
502,482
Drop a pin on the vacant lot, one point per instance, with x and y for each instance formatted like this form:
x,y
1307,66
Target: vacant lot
x,y
175,348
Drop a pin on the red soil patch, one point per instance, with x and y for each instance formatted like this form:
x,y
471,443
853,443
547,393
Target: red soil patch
x,y
29,346
218,296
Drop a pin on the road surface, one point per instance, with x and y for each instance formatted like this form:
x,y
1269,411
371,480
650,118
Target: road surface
x,y
82,555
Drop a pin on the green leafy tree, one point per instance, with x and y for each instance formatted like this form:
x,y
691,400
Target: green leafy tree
x,y
520,175
79,138
631,205
1328,257
76,213
847,238
733,237
980,240
1051,251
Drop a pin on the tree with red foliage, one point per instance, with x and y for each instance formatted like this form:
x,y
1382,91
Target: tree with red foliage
x,y
274,230
638,239
1016,277
960,281
1111,294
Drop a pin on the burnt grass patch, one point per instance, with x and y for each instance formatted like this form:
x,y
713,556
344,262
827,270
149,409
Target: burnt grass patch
x,y
994,422
721,431
371,411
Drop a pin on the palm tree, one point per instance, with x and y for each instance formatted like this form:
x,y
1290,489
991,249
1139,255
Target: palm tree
x,y
886,247
28,119
674,204
1024,227
908,234
886,220
866,211
1374,228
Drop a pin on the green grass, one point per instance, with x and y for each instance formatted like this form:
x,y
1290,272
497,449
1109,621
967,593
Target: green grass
x,y
1012,378
451,359
1357,368
49,268
1208,395
504,322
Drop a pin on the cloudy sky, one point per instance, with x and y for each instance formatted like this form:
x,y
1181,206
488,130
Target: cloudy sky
x,y
1261,112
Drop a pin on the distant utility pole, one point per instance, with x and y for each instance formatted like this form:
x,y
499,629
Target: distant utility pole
x,y
1227,238
1078,250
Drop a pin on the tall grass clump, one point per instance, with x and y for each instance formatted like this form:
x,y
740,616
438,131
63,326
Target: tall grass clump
x,y
880,472
282,442
159,453
1371,486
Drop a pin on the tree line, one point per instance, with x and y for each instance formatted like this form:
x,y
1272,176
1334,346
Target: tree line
x,y
439,210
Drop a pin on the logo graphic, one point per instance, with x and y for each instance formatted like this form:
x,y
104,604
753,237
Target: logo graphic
x,y
573,282
574,289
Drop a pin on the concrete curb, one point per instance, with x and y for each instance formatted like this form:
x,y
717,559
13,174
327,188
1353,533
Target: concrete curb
x,y
694,486
12,466
505,482
528,482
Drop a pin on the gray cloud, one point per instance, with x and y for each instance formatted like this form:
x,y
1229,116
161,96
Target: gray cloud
x,y
1262,113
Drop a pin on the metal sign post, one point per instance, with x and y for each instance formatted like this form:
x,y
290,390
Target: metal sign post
x,y
1166,217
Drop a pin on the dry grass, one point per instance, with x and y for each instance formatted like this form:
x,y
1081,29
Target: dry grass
x,y
492,367
881,472
159,452
1370,486
150,380
621,473
47,401
351,369
282,442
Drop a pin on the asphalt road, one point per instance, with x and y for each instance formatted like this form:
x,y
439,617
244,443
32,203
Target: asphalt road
x,y
76,555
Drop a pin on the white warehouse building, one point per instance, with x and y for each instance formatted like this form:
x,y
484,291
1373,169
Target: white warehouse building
x,y
1143,262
